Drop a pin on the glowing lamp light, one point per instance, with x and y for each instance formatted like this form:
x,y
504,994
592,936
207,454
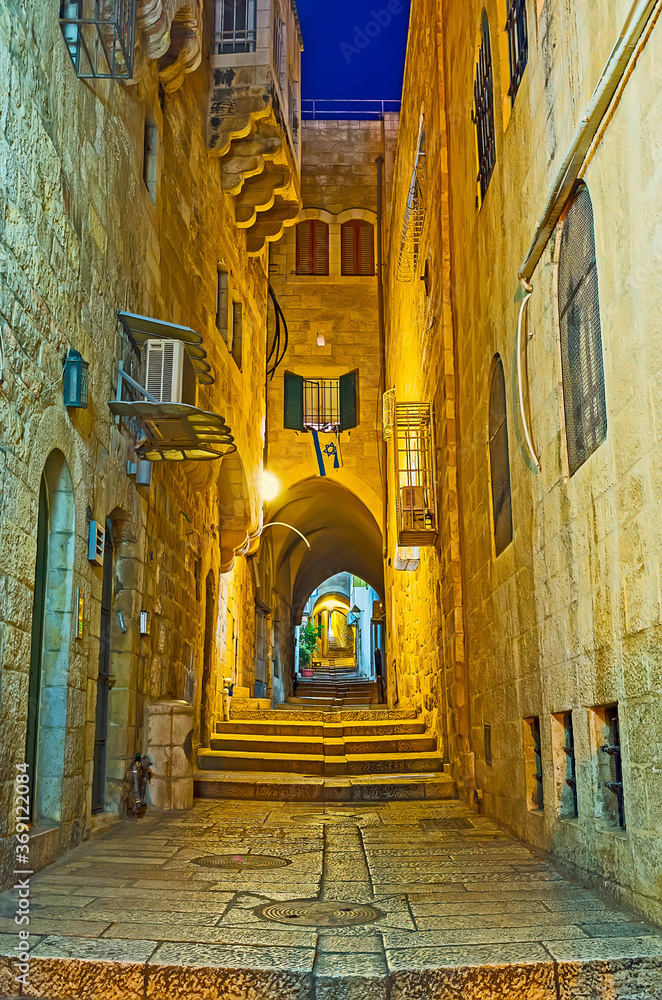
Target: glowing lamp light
x,y
269,486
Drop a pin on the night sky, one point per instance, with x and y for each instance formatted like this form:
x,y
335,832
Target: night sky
x,y
353,48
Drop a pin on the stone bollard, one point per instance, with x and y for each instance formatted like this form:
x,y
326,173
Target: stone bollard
x,y
169,735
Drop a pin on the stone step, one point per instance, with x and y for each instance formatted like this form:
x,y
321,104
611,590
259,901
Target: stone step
x,y
297,788
364,763
328,746
288,727
290,713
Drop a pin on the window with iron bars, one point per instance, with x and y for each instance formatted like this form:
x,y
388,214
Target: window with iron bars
x,y
280,52
571,765
321,404
100,37
416,497
583,379
612,749
483,113
235,26
518,44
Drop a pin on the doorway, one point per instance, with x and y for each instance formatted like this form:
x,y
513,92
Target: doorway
x,y
103,677
207,660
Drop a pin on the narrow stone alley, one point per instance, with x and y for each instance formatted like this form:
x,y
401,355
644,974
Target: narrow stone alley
x,y
404,900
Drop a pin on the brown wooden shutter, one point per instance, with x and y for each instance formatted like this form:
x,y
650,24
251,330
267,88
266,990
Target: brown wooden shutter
x,y
304,248
312,247
358,250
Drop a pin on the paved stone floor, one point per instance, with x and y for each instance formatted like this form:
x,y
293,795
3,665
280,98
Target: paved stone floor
x,y
460,911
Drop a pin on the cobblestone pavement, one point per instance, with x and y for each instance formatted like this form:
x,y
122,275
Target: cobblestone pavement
x,y
448,907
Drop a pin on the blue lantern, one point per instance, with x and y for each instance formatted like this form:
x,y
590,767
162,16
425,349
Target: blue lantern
x,y
75,380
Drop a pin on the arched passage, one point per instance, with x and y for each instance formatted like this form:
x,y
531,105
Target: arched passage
x,y
342,533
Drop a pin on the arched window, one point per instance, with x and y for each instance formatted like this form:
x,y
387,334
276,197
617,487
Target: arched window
x,y
357,247
502,510
312,247
581,336
483,115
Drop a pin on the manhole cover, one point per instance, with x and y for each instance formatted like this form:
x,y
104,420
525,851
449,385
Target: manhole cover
x,y
241,862
446,824
312,913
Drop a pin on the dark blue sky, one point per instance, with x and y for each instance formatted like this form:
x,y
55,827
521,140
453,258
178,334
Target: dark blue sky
x,y
353,48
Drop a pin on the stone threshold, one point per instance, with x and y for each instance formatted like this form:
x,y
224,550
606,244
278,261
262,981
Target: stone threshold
x,y
314,788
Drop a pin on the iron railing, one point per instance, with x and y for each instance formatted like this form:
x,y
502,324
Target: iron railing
x,y
321,404
337,109
518,44
100,36
483,115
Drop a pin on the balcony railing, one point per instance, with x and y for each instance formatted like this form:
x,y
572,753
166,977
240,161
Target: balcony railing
x,y
100,37
235,26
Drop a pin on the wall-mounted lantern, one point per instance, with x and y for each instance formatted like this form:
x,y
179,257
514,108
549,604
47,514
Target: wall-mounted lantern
x,y
76,377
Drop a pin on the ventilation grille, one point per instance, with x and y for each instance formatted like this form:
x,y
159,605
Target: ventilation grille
x,y
159,368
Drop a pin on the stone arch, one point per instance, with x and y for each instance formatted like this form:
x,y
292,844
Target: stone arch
x,y
52,614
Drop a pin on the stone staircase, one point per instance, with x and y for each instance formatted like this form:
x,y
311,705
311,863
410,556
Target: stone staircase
x,y
330,743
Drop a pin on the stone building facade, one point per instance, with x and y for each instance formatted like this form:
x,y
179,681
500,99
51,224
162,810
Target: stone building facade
x,y
114,199
548,634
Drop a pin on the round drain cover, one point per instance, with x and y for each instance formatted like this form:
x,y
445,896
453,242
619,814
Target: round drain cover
x,y
351,819
312,913
241,862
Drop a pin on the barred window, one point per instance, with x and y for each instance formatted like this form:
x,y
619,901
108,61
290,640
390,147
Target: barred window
x,y
518,44
235,27
312,247
500,462
582,368
357,248
483,114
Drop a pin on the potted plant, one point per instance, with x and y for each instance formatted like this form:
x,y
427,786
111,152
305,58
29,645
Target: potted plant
x,y
309,636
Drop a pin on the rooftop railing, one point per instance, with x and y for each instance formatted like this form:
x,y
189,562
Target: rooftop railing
x,y
338,109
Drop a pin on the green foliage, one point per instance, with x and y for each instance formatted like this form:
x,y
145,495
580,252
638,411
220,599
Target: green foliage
x,y
308,639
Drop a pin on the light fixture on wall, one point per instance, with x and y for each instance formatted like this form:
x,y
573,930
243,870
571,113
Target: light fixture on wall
x,y
76,377
269,486
145,622
321,340
142,470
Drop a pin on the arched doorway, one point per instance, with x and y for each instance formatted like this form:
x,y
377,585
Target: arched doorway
x,y
51,635
206,693
103,677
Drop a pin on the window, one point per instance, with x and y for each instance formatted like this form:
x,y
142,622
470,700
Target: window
x,y
571,766
611,769
357,248
487,740
235,26
237,329
533,764
321,404
150,156
414,220
312,247
280,51
416,483
222,286
502,513
483,114
583,377
518,44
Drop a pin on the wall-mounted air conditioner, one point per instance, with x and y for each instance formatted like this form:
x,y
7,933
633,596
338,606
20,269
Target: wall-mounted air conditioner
x,y
167,372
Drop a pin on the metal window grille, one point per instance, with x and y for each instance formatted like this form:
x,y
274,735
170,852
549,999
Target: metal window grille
x,y
571,766
321,404
584,399
414,220
518,44
416,496
279,51
539,799
502,510
613,748
483,114
100,37
235,26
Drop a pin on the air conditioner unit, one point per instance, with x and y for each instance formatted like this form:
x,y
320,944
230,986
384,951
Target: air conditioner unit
x,y
167,372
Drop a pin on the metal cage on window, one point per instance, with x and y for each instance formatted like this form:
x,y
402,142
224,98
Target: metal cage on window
x,y
100,36
321,404
518,44
483,114
235,26
416,486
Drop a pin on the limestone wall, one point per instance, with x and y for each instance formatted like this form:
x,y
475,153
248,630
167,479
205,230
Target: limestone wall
x,y
568,617
81,238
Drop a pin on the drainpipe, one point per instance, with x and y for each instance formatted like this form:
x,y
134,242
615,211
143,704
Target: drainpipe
x,y
612,75
382,336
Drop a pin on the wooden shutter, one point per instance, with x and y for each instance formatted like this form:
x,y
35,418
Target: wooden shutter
x,y
293,411
349,397
358,248
312,247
